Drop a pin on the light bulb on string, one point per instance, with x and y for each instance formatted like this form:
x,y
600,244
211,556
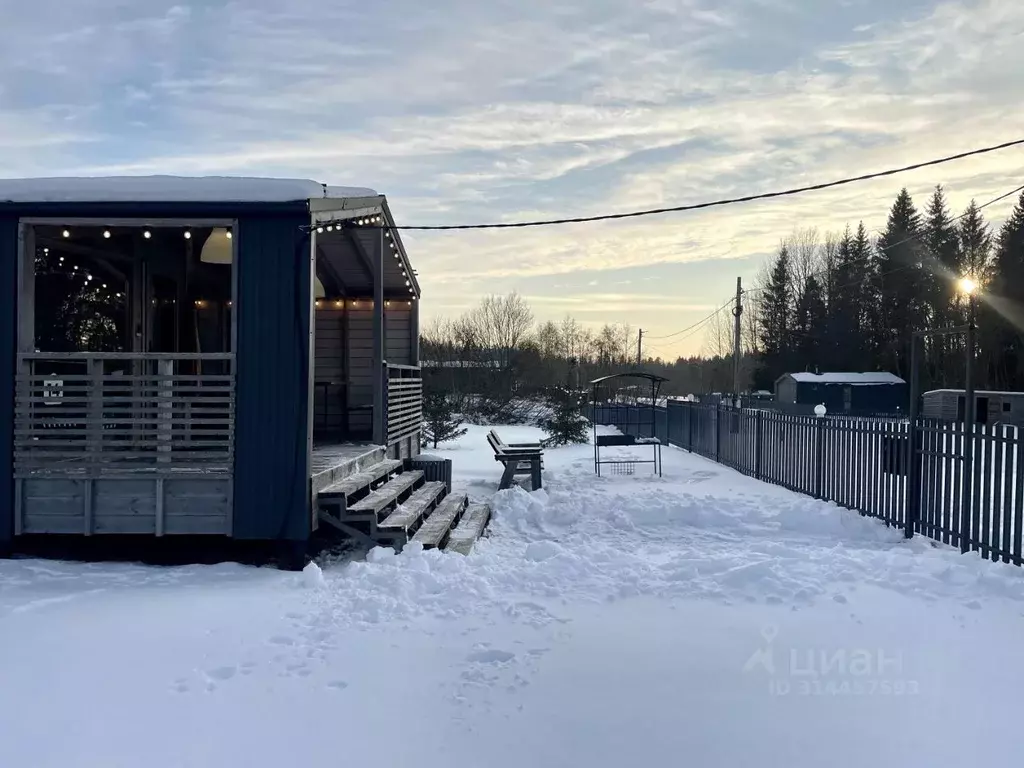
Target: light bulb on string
x,y
188,235
65,233
320,230
106,234
147,234
229,235
330,227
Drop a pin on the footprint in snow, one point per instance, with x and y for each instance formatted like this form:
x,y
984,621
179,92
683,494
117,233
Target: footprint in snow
x,y
491,656
248,667
839,598
221,673
974,605
282,640
337,685
180,685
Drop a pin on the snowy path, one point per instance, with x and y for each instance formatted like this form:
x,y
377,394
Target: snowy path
x,y
703,619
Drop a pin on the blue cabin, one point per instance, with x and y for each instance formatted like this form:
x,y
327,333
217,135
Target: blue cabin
x,y
199,355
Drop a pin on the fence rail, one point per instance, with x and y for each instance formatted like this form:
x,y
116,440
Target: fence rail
x,y
862,464
107,412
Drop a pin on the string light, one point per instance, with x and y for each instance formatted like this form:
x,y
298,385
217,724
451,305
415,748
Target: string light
x,y
147,234
188,235
228,233
200,303
339,304
46,250
317,303
320,230
106,234
330,227
65,233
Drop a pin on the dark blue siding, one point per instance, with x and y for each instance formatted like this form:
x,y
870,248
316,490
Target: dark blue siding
x,y
271,498
8,348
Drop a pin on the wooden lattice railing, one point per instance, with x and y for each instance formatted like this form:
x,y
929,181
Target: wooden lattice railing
x,y
86,412
405,402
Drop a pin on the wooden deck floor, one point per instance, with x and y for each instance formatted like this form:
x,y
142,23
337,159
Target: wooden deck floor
x,y
335,461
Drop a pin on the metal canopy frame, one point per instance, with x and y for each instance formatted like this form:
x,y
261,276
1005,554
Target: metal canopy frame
x,y
627,439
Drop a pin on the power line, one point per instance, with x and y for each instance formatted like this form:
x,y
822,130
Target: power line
x,y
716,203
695,325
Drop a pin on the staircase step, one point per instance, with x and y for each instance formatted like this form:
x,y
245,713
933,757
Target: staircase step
x,y
352,484
436,527
412,509
469,530
387,494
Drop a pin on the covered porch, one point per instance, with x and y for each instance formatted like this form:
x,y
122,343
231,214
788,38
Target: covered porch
x,y
198,365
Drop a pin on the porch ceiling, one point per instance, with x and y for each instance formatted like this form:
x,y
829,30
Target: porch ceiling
x,y
345,264
347,245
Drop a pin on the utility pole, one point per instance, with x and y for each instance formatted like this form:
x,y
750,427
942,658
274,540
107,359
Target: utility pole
x,y
737,312
640,348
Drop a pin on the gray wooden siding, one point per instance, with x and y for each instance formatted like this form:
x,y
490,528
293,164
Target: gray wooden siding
x,y
398,338
329,372
8,347
172,506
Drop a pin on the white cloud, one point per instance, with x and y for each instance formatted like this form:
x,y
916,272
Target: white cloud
x,y
466,111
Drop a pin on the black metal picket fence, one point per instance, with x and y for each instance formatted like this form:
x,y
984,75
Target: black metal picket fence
x,y
863,464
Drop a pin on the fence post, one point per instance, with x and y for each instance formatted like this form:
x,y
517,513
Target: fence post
x,y
718,430
819,458
912,498
758,422
689,427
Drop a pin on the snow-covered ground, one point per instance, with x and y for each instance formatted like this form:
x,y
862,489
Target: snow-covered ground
x,y
699,619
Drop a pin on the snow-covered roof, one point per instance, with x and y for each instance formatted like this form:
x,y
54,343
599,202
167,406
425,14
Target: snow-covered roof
x,y
171,189
986,392
877,377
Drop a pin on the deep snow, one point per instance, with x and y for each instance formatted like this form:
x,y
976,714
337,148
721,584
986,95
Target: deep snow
x,y
700,619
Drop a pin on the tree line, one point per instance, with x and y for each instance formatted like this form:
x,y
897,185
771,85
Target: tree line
x,y
495,358
850,302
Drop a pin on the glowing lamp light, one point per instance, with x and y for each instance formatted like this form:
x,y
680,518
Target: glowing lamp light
x,y
967,286
330,227
106,234
339,304
228,234
188,235
320,230
820,410
65,233
147,234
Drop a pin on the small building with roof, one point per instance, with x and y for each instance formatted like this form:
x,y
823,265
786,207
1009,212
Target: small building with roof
x,y
990,407
850,393
201,355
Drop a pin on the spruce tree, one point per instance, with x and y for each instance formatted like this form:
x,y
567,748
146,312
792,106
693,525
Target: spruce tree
x,y
1003,314
565,424
441,423
809,325
775,330
901,284
943,265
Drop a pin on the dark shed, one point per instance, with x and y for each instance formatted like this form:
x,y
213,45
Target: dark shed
x,y
843,392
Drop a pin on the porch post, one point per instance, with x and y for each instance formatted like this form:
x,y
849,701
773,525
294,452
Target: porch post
x,y
379,372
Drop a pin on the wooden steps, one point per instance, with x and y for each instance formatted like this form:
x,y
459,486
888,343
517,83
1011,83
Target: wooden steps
x,y
353,484
435,529
470,529
411,511
377,501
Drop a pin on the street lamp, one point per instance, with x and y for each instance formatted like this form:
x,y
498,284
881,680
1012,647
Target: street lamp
x,y
966,286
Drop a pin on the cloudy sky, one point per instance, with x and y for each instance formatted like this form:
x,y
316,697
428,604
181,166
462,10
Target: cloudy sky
x,y
467,111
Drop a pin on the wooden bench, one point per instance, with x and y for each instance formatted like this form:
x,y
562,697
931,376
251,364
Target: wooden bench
x,y
518,458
